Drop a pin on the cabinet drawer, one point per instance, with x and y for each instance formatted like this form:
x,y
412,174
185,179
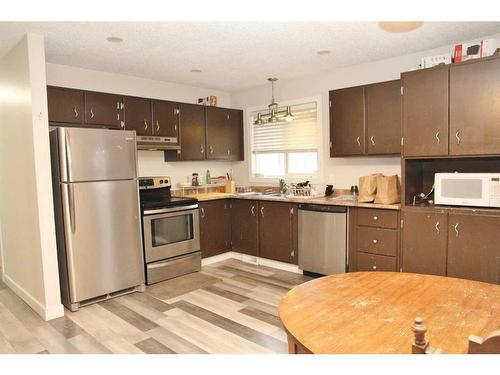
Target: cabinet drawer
x,y
372,262
375,217
377,241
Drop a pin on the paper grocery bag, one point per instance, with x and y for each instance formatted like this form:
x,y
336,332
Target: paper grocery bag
x,y
368,188
388,189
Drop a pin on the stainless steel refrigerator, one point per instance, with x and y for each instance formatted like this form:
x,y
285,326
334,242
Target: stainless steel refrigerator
x,y
96,204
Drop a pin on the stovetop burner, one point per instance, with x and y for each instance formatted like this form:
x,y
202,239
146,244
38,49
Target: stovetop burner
x,y
155,193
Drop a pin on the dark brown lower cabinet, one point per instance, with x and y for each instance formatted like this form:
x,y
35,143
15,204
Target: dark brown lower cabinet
x,y
425,242
276,238
374,238
215,227
474,247
245,226
375,262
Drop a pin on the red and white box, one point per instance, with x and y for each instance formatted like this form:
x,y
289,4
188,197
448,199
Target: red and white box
x,y
475,50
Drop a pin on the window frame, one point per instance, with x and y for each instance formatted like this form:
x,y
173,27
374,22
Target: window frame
x,y
289,177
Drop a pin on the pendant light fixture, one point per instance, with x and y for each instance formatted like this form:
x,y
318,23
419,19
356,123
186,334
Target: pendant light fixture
x,y
273,114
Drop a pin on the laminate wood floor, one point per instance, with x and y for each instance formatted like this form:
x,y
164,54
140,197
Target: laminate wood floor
x,y
228,307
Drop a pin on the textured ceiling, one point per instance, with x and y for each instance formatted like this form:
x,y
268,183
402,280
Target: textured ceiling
x,y
231,56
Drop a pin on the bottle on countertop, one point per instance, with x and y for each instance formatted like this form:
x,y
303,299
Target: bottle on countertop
x,y
208,178
194,180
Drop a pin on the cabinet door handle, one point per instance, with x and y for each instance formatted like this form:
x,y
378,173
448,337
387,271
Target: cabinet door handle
x,y
118,117
228,152
202,149
117,105
262,211
175,128
437,227
437,137
145,125
331,144
375,241
357,140
202,212
122,124
374,267
372,141
375,218
76,111
457,136
252,209
91,112
456,230
211,149
157,126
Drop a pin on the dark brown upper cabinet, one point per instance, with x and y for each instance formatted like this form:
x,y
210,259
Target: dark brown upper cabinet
x,y
347,122
215,227
383,118
65,105
366,120
192,134
474,247
224,133
425,112
103,109
137,115
425,241
235,130
166,119
276,238
218,137
475,108
245,226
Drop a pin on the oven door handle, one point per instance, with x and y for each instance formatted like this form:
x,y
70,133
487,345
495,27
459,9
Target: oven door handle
x,y
173,209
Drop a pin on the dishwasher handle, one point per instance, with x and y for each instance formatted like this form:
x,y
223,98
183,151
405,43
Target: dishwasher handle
x,y
322,208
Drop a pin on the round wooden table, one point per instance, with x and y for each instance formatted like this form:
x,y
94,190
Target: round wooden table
x,y
372,312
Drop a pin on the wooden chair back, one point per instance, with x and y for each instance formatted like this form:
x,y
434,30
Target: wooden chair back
x,y
477,345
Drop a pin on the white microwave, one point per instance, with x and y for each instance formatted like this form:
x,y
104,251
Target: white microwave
x,y
467,189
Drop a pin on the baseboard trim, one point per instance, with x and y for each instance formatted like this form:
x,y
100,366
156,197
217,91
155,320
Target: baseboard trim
x,y
46,312
253,260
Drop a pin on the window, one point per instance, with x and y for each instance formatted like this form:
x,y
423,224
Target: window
x,y
286,149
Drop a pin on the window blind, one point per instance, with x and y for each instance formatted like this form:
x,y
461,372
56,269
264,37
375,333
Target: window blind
x,y
282,136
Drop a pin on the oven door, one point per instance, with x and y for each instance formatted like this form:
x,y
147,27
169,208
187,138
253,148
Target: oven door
x,y
171,232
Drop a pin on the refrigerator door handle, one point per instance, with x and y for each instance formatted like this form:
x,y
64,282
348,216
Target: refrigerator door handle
x,y
67,147
71,201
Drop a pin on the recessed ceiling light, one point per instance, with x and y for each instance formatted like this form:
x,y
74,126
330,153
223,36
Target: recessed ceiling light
x,y
323,52
114,39
195,71
400,26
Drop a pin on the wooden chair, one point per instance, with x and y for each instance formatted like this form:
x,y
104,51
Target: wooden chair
x,y
477,345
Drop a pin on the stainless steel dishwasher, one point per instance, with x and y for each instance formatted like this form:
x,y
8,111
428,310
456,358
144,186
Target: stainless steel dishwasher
x,y
322,238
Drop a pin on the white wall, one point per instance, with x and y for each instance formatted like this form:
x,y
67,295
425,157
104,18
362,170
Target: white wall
x,y
29,251
151,163
342,172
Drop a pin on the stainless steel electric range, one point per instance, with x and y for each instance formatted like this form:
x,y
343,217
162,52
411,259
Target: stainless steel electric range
x,y
170,231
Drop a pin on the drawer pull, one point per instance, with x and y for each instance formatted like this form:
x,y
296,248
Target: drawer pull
x,y
375,241
374,267
375,218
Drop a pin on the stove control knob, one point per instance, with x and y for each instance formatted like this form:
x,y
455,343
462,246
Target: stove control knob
x,y
161,181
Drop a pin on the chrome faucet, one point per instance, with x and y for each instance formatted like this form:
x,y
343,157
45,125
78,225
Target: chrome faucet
x,y
283,186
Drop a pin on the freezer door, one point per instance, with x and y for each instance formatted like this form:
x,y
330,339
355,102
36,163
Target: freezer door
x,y
96,154
102,237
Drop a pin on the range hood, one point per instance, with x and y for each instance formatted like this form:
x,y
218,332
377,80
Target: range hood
x,y
157,143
